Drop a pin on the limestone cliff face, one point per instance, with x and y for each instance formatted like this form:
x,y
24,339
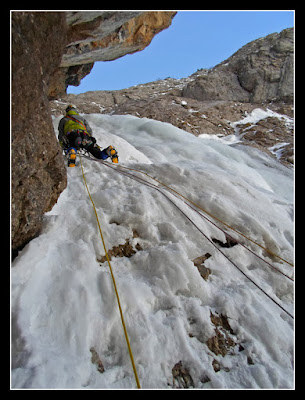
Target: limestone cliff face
x,y
262,70
38,173
49,51
103,36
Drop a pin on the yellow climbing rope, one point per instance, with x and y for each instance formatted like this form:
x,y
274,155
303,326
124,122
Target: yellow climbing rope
x,y
113,281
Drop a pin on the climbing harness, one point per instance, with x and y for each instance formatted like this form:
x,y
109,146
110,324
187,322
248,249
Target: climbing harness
x,y
117,168
113,280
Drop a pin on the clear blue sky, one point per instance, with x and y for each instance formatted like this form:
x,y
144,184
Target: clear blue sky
x,y
195,40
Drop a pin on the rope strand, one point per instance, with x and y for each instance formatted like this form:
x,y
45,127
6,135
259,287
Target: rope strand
x,y
210,241
113,281
206,212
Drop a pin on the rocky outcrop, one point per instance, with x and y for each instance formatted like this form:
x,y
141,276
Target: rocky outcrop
x,y
49,51
103,36
38,174
262,70
210,101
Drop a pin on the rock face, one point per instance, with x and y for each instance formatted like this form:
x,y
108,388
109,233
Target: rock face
x,y
260,71
49,51
38,173
103,36
259,75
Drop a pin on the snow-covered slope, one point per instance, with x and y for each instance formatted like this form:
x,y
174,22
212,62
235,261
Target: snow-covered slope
x,y
65,315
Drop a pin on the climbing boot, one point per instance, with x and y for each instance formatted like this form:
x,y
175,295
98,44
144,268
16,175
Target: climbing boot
x,y
114,156
112,153
71,158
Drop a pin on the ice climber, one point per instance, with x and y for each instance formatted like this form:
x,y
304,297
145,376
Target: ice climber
x,y
75,133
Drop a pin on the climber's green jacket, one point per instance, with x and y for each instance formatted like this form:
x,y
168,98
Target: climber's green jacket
x,y
72,122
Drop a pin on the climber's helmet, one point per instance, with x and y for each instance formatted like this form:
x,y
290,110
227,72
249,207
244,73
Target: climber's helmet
x,y
71,107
